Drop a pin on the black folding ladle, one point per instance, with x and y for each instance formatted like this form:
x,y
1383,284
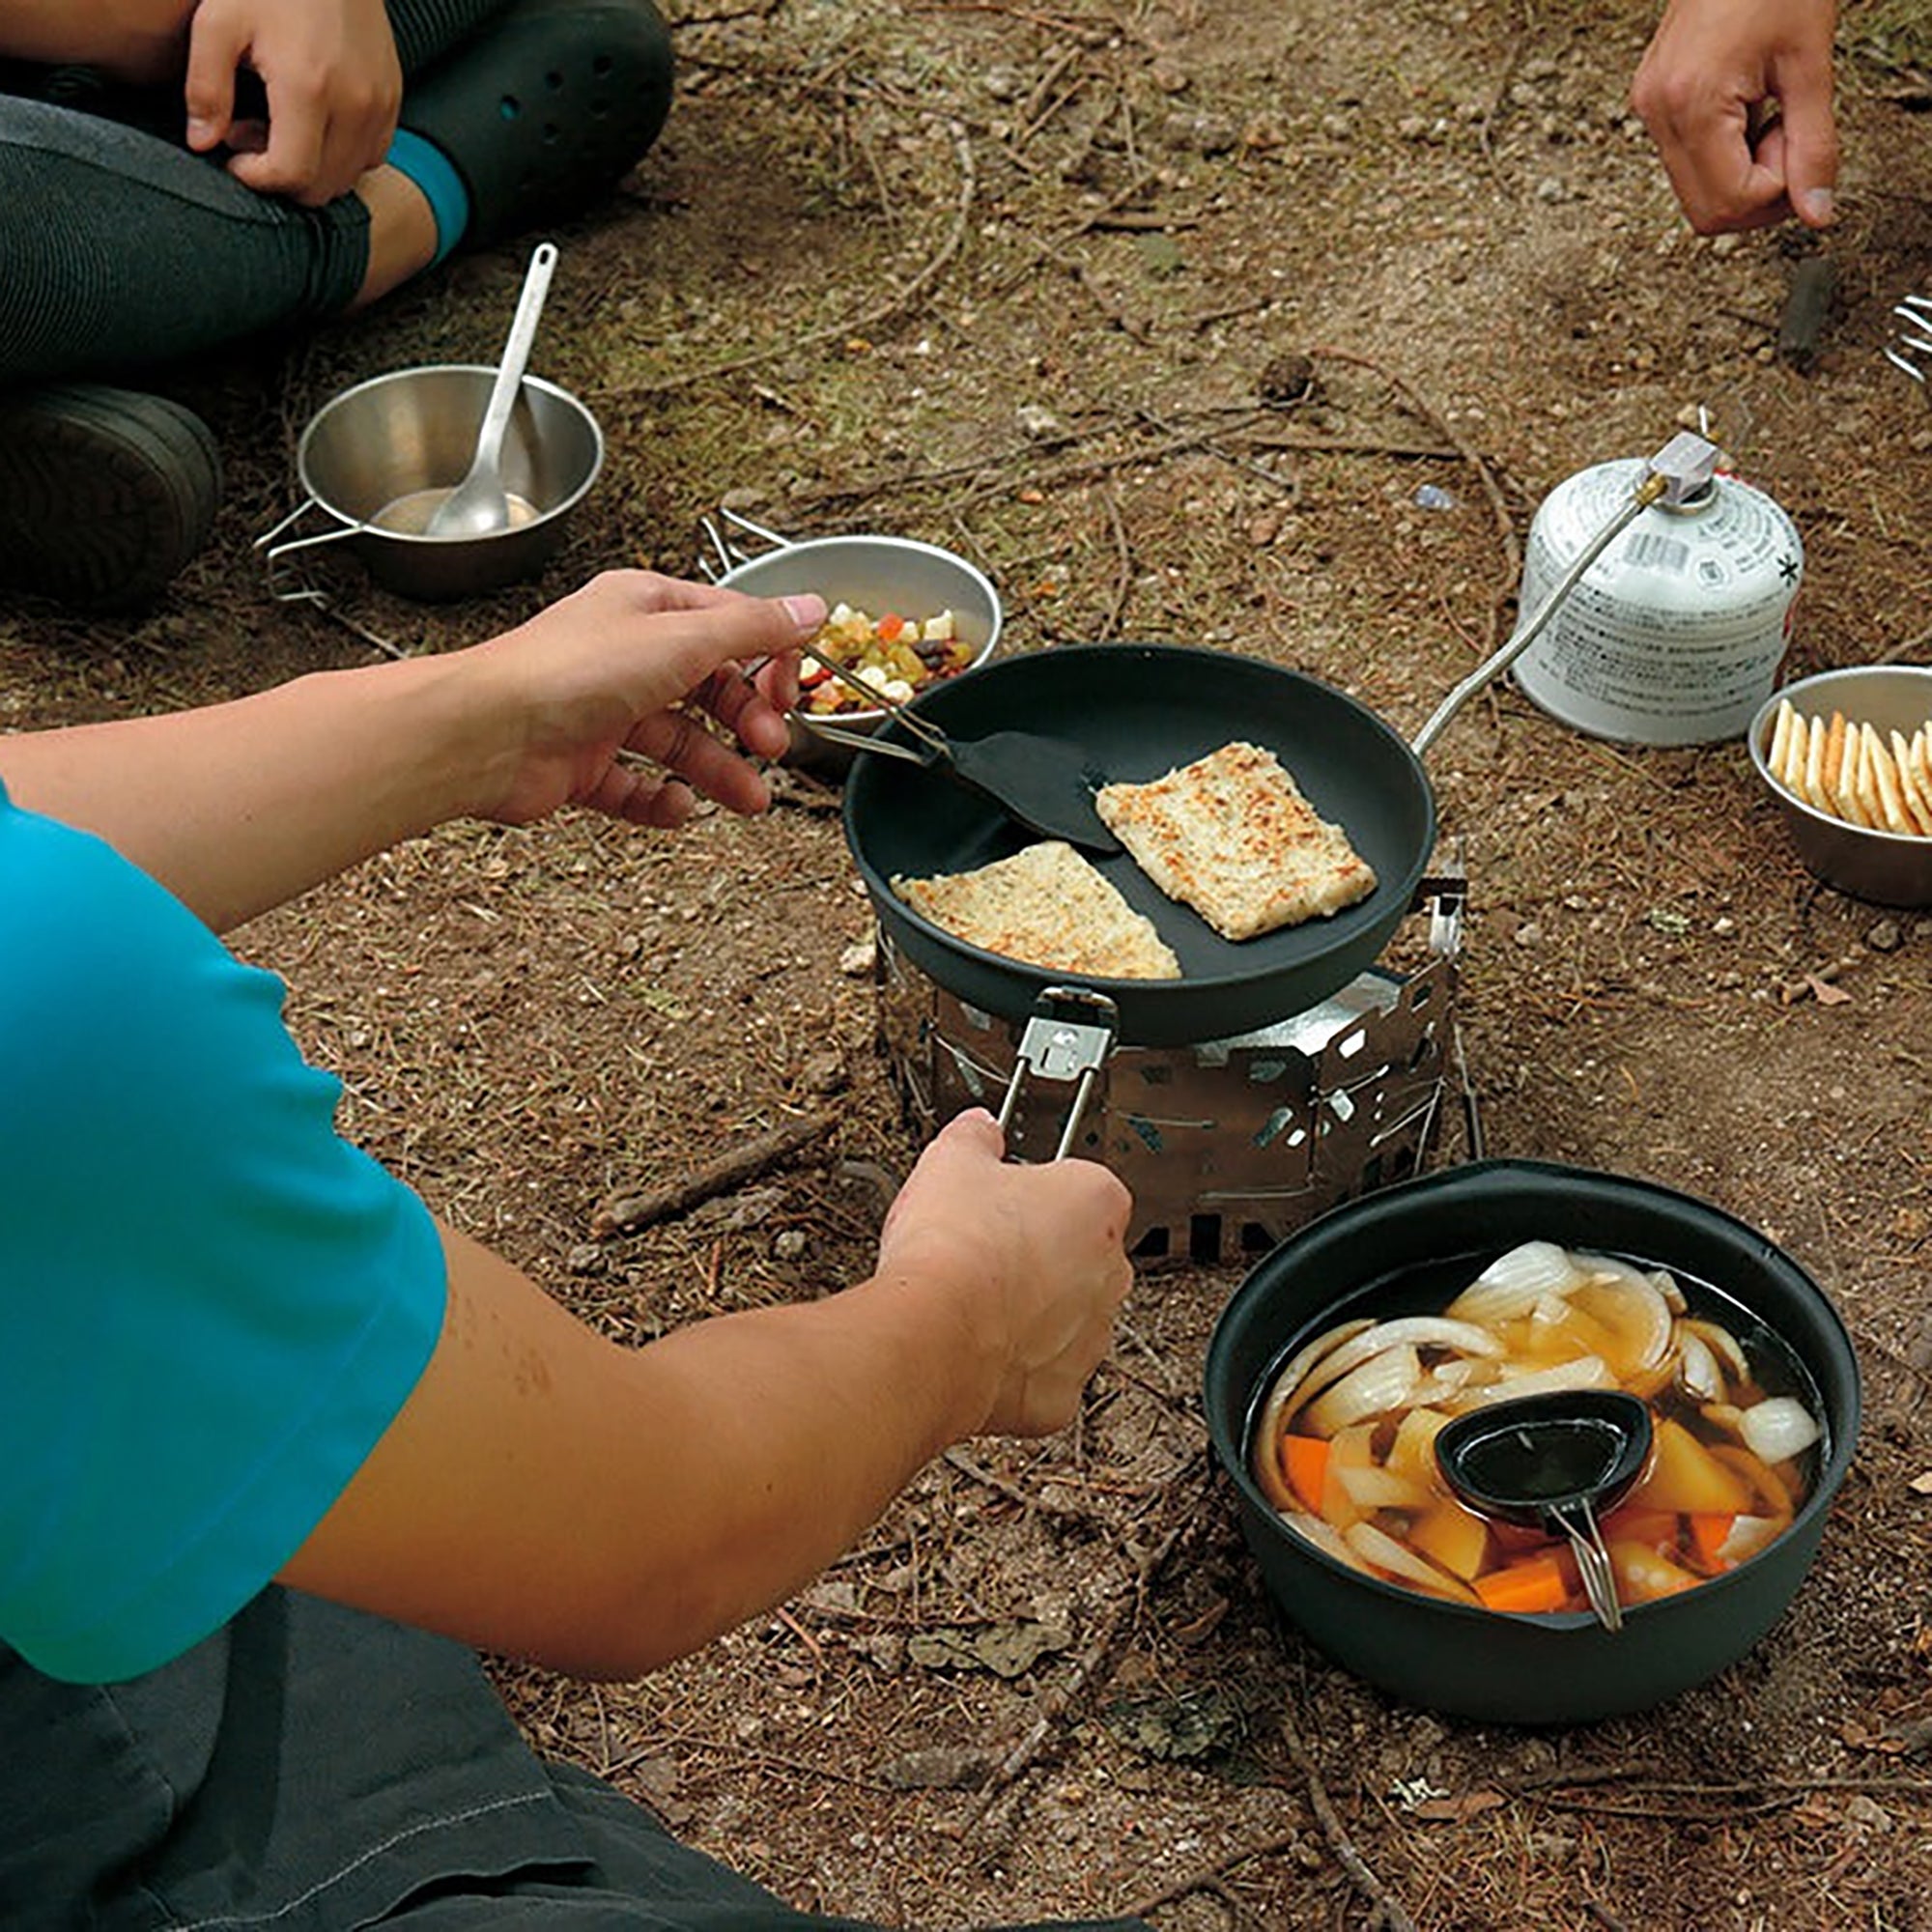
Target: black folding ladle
x,y
1554,1462
1046,784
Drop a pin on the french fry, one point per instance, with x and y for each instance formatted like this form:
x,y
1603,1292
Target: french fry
x,y
1777,758
1798,760
1833,769
1850,792
1921,751
1814,792
1789,772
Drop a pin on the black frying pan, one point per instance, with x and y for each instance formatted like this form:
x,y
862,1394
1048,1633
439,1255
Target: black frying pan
x,y
1140,710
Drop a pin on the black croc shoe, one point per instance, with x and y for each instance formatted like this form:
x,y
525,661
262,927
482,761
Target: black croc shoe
x,y
105,494
546,108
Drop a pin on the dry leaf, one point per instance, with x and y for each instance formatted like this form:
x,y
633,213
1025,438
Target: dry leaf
x,y
1921,1486
1825,993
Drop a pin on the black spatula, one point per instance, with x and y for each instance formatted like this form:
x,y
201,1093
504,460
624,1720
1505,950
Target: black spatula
x,y
1047,785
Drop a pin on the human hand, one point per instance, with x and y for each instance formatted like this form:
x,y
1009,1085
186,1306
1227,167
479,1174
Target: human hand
x,y
1037,1255
1710,69
334,82
620,666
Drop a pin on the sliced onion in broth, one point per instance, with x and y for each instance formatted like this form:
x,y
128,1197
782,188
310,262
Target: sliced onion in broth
x,y
1778,1427
1514,1283
1381,1552
1586,1372
1384,1381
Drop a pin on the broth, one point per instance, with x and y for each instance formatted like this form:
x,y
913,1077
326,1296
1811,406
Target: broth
x,y
1346,1455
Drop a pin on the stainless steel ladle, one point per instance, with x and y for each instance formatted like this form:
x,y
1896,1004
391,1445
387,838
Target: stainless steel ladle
x,y
1554,1463
481,505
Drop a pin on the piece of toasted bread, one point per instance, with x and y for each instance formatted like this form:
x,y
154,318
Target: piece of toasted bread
x,y
1048,907
1231,835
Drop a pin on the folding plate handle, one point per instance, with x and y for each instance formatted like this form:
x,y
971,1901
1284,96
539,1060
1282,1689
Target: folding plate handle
x,y
1067,1038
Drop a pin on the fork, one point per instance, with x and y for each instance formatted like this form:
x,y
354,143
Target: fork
x,y
1912,351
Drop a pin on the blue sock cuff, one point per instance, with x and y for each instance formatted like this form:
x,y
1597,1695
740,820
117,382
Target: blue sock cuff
x,y
435,174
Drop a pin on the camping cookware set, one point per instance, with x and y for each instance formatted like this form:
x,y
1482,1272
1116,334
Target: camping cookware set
x,y
981,763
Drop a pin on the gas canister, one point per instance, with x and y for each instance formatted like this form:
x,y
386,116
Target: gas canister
x,y
1674,635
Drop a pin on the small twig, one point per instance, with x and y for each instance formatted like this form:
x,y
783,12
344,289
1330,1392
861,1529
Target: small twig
x,y
905,296
1124,576
1051,249
1011,1767
1336,1832
1208,1876
628,1213
1000,1486
1496,99
1491,489
1909,648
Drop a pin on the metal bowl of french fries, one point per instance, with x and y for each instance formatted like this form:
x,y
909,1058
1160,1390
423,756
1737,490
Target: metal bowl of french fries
x,y
1848,757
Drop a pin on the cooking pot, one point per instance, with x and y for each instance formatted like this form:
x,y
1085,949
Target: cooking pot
x,y
1414,1245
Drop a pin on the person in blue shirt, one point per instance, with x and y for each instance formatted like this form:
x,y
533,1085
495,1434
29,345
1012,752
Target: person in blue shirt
x,y
277,1446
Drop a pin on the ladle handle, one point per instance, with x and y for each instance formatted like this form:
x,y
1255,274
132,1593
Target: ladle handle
x,y
1578,1523
516,354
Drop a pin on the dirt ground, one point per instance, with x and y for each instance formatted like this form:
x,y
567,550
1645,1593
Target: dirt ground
x,y
1023,279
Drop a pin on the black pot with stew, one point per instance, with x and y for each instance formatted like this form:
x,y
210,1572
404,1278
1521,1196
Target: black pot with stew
x,y
1356,1340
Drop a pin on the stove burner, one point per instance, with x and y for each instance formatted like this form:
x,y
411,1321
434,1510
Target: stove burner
x,y
1227,1145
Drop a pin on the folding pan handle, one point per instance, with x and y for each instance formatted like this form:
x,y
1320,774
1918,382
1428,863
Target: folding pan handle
x,y
725,533
1067,1038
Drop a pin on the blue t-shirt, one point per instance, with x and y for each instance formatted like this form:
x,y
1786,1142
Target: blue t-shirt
x,y
211,1305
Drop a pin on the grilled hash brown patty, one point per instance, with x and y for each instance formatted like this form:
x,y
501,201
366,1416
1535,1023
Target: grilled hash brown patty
x,y
1048,907
1231,835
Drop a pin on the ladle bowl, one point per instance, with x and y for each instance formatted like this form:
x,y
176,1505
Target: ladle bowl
x,y
1557,1463
1413,1246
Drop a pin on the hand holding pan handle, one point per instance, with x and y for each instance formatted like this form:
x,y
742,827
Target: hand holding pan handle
x,y
1067,1038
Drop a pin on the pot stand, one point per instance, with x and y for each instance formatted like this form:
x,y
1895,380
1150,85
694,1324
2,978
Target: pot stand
x,y
1229,1144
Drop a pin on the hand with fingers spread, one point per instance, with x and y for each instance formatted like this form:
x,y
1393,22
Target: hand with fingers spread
x,y
333,83
1737,95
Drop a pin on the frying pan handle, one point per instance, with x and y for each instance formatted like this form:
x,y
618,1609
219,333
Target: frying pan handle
x,y
1067,1038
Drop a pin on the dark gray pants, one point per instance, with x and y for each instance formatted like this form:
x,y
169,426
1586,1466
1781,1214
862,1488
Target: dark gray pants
x,y
309,1769
120,249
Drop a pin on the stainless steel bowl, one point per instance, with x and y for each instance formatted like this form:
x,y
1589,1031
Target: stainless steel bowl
x,y
878,575
1887,868
387,441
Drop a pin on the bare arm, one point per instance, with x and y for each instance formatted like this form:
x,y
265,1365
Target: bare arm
x,y
239,807
1711,71
548,1493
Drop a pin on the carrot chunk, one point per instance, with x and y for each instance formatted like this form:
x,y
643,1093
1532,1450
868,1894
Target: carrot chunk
x,y
1535,1583
1638,1525
1304,1462
1708,1531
